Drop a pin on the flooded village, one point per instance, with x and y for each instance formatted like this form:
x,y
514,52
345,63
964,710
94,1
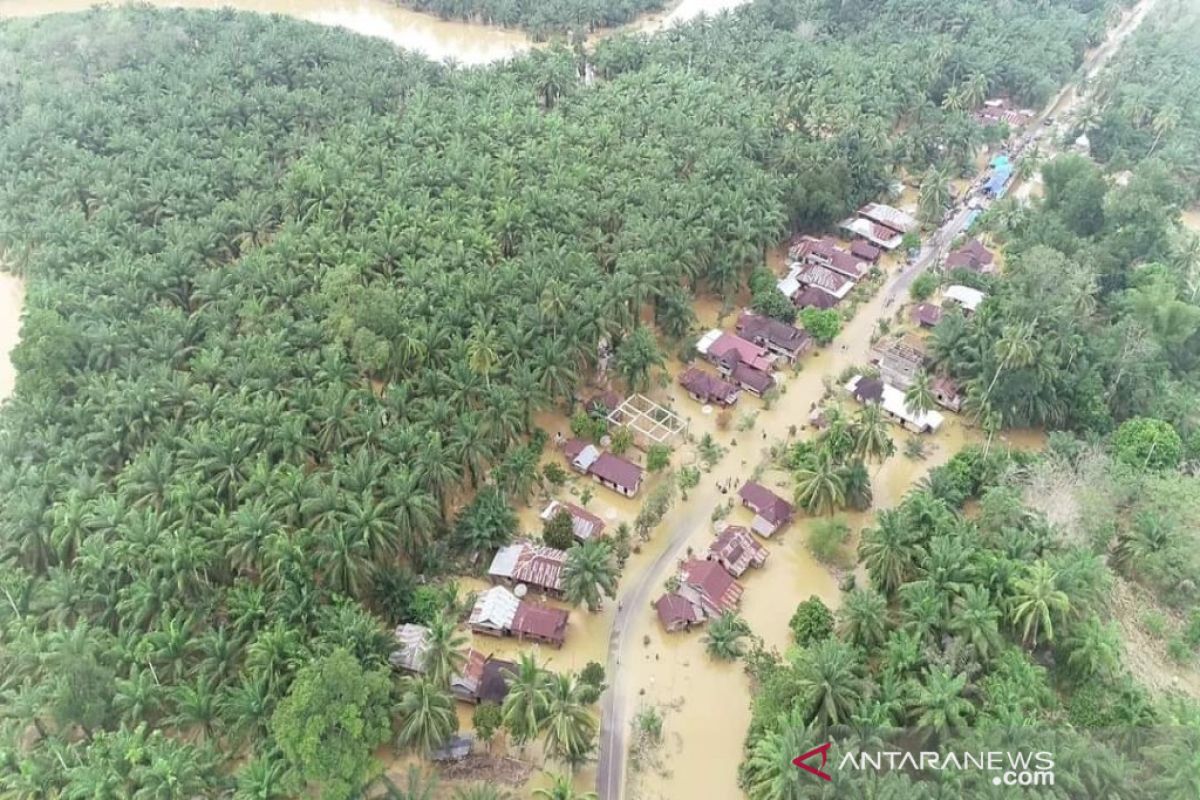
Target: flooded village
x,y
728,405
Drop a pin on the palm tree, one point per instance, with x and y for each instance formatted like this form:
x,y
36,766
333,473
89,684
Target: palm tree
x,y
724,637
589,574
820,489
863,618
1037,601
444,650
939,707
1014,348
527,703
1093,650
562,788
976,619
935,195
918,398
637,356
570,726
870,432
481,791
769,771
857,485
427,716
890,551
830,675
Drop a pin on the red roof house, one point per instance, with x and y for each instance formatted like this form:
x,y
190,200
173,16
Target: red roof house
x,y
707,388
972,256
771,511
778,337
825,252
540,623
752,380
584,524
618,474
865,251
736,550
538,566
677,613
708,585
927,315
726,349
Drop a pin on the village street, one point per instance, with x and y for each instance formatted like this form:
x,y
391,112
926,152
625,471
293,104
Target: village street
x,y
803,391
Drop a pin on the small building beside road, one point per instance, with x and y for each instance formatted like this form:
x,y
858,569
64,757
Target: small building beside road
x,y
771,511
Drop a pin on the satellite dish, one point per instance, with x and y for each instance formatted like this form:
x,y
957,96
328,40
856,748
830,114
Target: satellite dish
x,y
521,590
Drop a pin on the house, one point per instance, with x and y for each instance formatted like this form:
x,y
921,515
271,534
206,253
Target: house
x,y
736,550
965,296
498,612
726,349
873,232
997,110
946,394
893,218
825,252
534,565
708,585
708,388
827,280
900,361
584,524
891,400
778,337
972,256
540,623
493,612
677,613
771,511
465,685
617,473
611,471
927,315
864,251
752,380
812,297
412,645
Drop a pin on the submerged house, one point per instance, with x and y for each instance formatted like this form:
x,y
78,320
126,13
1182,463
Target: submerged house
x,y
900,361
498,612
777,336
584,524
708,585
972,256
536,566
891,400
825,252
970,299
771,511
737,550
745,363
609,470
707,388
927,315
678,613
946,393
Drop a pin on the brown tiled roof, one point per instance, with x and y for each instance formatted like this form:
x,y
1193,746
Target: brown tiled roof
x,y
573,447
944,386
972,255
784,336
737,549
730,347
544,622
708,386
812,297
712,582
747,375
674,609
765,503
614,469
865,250
927,314
822,278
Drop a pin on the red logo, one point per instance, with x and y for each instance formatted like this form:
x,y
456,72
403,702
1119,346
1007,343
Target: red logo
x,y
824,751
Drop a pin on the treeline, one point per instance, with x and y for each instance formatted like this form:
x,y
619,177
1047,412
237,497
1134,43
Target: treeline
x,y
1145,100
294,300
540,17
985,631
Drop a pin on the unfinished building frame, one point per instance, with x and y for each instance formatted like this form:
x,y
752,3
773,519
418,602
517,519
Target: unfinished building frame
x,y
650,422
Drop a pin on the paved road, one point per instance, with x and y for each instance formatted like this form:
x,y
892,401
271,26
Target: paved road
x,y
614,726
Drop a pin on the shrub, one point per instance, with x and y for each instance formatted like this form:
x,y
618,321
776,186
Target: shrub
x,y
554,473
923,286
658,457
826,540
811,622
559,531
1147,443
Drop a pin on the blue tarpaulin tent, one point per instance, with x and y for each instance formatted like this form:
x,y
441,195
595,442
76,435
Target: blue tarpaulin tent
x,y
998,181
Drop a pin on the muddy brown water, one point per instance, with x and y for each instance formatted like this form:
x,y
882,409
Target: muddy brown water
x,y
462,42
12,298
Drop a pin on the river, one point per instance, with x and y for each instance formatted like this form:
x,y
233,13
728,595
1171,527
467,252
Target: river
x,y
462,42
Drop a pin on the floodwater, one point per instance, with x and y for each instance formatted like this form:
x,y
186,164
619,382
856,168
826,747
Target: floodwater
x,y
12,298
461,42
1191,219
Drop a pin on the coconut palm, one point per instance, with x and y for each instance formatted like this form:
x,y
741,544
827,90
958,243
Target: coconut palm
x,y
1014,348
1093,649
871,434
918,398
1037,602
890,551
939,707
427,716
590,574
570,727
830,675
562,788
769,771
481,791
976,619
445,648
526,705
820,489
725,635
862,619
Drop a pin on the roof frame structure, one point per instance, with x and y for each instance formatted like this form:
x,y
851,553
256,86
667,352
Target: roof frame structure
x,y
651,421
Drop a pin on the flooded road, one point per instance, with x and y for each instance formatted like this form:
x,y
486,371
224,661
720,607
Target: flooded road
x,y
438,39
12,297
